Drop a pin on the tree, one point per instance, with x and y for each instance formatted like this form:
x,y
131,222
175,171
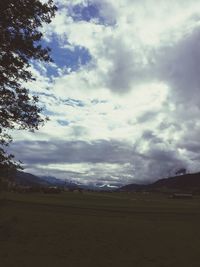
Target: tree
x,y
20,42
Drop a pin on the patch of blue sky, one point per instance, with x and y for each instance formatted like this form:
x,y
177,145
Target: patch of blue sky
x,y
73,102
86,13
48,95
63,122
47,112
96,101
65,57
67,101
70,58
89,12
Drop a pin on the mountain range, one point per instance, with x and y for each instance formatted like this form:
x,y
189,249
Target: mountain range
x,y
185,182
28,179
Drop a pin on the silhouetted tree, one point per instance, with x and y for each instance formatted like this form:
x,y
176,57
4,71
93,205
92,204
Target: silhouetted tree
x,y
20,21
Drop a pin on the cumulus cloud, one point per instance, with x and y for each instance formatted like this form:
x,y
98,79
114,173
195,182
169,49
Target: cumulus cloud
x,y
123,110
179,66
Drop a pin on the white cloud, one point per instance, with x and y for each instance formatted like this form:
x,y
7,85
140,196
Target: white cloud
x,y
141,80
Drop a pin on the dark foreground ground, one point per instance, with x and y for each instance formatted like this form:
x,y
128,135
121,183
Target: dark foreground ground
x,y
98,230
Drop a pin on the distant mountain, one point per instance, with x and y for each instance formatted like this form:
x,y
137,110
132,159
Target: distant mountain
x,y
99,186
52,180
27,179
58,182
186,182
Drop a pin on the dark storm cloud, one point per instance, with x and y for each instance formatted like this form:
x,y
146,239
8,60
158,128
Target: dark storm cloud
x,y
52,172
192,146
127,69
159,159
147,116
158,163
42,152
179,65
163,155
164,125
129,162
151,137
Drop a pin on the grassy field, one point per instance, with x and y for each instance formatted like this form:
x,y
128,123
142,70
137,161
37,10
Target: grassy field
x,y
98,230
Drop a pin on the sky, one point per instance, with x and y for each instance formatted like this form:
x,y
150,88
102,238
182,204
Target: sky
x,y
122,95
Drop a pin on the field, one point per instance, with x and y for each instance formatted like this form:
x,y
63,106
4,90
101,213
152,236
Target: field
x,y
98,230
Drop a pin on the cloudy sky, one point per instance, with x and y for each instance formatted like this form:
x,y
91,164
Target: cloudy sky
x,y
123,93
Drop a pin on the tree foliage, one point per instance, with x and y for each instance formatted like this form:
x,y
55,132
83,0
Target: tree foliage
x,y
20,36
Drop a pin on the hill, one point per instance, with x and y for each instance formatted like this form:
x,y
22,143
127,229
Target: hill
x,y
187,182
27,179
132,187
